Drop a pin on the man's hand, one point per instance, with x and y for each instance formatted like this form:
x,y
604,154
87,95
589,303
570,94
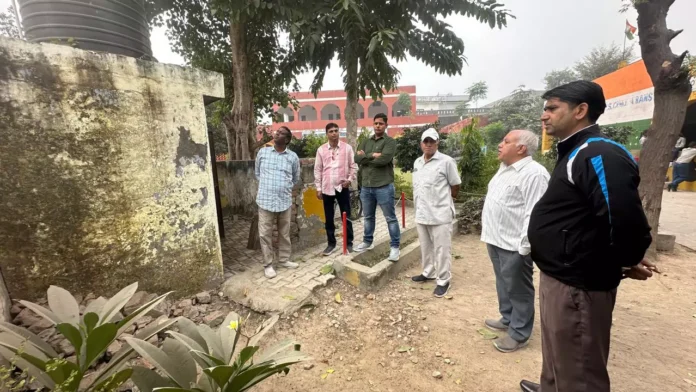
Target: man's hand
x,y
376,155
319,196
345,184
361,152
642,271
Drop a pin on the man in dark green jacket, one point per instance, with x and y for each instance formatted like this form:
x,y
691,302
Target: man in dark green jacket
x,y
376,159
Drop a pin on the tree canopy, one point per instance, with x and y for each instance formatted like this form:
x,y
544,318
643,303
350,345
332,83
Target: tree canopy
x,y
478,91
559,77
368,35
602,60
8,24
521,110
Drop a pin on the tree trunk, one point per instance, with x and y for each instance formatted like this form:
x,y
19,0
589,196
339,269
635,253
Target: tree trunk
x,y
352,101
672,90
241,118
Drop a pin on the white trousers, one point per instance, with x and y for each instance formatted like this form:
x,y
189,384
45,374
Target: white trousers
x,y
436,254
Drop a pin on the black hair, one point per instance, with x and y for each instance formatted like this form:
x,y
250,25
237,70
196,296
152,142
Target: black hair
x,y
331,125
581,91
283,127
382,116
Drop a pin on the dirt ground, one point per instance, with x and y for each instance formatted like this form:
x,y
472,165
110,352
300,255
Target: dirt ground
x,y
356,344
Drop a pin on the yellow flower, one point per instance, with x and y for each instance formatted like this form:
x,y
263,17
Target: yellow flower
x,y
234,324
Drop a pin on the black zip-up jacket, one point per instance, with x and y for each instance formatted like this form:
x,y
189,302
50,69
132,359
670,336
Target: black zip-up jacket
x,y
590,222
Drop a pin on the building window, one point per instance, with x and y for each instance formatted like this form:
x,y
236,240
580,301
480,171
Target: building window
x,y
377,103
330,116
362,115
303,118
338,116
291,118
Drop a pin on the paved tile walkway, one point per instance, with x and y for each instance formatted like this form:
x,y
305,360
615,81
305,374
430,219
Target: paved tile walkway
x,y
678,217
246,283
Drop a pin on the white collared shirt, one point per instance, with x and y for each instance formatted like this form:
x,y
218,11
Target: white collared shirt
x,y
432,189
512,194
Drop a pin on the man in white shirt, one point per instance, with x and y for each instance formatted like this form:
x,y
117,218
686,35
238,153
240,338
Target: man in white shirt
x,y
512,193
681,167
435,186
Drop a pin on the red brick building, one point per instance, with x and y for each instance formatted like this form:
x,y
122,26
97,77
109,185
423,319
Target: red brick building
x,y
330,106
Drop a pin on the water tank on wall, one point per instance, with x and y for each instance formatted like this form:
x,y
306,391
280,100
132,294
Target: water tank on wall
x,y
114,26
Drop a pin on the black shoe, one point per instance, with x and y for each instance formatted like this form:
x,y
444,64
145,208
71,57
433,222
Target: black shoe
x,y
329,249
420,279
441,291
528,386
350,248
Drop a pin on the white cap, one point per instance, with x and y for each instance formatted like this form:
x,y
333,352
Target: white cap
x,y
431,133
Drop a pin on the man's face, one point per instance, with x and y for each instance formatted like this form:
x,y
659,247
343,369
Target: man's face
x,y
281,137
429,146
508,150
560,118
332,134
380,126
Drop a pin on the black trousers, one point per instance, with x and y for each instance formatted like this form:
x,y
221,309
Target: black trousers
x,y
329,207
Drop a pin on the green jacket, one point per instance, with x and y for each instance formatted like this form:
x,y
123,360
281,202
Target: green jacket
x,y
376,172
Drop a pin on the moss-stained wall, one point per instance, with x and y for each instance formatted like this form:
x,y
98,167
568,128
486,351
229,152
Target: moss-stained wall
x,y
105,173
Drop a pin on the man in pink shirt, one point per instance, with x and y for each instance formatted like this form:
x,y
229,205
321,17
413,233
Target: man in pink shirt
x,y
334,170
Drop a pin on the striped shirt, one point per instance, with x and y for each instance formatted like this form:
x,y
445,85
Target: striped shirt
x,y
278,173
512,194
332,166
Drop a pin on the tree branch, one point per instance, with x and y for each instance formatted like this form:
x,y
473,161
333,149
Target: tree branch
x,y
673,34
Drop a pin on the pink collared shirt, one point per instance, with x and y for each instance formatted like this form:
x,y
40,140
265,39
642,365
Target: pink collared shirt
x,y
333,165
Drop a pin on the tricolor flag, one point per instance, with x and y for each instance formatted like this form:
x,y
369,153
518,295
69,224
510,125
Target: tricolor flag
x,y
630,30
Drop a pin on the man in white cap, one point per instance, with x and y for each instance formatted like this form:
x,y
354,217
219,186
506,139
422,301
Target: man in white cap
x,y
435,186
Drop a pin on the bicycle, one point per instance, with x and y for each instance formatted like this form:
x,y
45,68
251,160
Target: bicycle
x,y
356,209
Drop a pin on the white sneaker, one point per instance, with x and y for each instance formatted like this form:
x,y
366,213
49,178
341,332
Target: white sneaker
x,y
269,272
288,264
394,254
363,247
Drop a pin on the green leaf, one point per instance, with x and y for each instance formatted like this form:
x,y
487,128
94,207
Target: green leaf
x,y
190,329
171,389
160,360
72,334
43,312
487,335
245,355
64,305
268,325
213,341
97,342
186,341
207,360
126,353
113,382
114,304
35,371
277,348
140,312
185,365
229,336
220,374
18,343
96,306
146,379
90,319
23,333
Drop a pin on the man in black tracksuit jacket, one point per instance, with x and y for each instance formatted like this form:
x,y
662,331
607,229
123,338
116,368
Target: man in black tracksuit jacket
x,y
586,233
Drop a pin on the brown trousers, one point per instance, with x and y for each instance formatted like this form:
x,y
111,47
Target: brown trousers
x,y
267,222
575,335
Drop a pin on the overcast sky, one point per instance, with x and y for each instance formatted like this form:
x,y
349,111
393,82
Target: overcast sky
x,y
547,34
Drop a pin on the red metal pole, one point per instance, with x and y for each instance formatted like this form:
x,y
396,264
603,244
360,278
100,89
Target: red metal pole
x,y
345,233
403,209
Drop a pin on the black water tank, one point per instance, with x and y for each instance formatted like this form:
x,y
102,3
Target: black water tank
x,y
114,26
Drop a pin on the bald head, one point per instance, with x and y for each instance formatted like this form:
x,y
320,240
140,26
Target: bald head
x,y
516,145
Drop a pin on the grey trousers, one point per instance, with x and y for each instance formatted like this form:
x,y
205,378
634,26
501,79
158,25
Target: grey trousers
x,y
267,222
436,251
515,286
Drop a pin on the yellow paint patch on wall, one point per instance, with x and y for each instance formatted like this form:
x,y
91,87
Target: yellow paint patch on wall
x,y
312,205
684,186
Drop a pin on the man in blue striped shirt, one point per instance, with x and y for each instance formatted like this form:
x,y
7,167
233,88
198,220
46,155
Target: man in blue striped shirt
x,y
278,171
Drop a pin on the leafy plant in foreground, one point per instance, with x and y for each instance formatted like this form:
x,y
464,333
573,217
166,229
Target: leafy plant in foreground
x,y
214,352
90,335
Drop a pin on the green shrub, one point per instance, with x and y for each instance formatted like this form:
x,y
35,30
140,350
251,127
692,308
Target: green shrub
x,y
90,335
408,146
214,352
312,142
